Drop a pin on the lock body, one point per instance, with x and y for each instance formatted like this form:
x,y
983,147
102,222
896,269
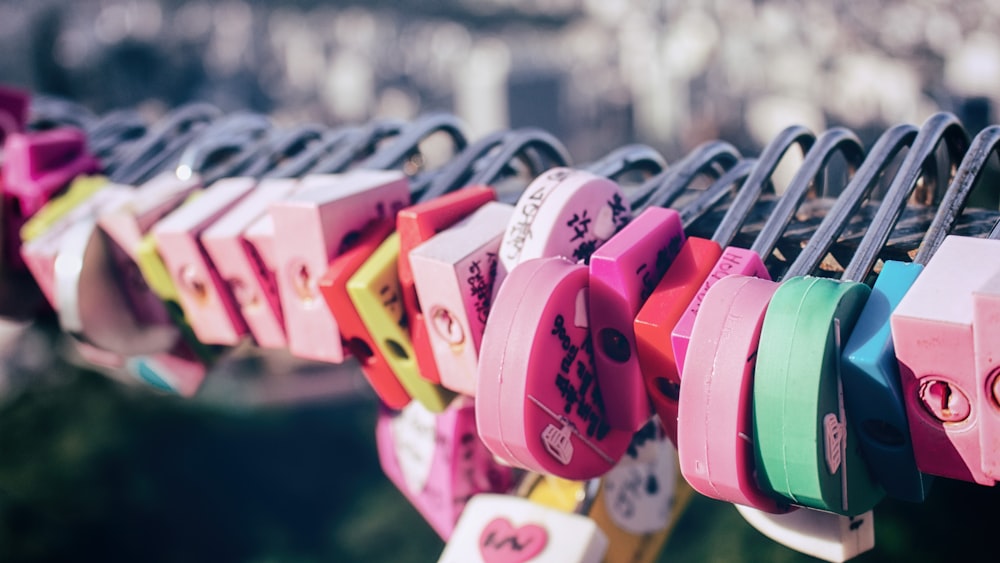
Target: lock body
x,y
805,442
623,274
208,303
417,224
933,338
538,404
872,391
657,318
715,442
454,273
250,281
374,291
40,253
357,339
311,228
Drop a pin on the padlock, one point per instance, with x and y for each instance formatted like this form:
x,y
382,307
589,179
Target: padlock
x,y
437,461
455,286
204,297
506,529
934,345
563,212
476,167
826,536
250,281
684,278
40,253
750,262
538,405
715,424
624,272
333,285
943,394
374,290
311,227
36,166
872,393
78,191
638,502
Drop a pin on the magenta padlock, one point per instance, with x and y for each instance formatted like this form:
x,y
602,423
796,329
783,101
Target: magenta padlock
x,y
238,262
206,301
311,227
437,461
36,166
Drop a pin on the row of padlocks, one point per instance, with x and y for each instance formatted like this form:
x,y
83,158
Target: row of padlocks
x,y
527,325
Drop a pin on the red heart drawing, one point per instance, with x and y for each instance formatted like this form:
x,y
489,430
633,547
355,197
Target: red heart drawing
x,y
500,542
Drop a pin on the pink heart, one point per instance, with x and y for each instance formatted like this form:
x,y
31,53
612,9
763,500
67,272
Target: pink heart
x,y
500,542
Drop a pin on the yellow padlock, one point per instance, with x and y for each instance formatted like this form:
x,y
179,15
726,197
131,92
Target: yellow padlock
x,y
376,295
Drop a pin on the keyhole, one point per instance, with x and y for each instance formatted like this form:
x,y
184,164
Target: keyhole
x,y
447,326
301,281
944,401
615,345
193,284
668,389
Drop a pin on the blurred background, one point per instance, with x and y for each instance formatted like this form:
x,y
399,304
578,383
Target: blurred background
x,y
275,460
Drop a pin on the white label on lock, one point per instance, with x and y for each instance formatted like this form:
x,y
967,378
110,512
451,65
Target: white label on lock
x,y
414,437
826,536
507,529
639,491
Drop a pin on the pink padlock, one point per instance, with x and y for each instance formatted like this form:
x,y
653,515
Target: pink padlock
x,y
207,302
310,229
251,282
437,461
36,166
937,362
39,254
538,405
454,274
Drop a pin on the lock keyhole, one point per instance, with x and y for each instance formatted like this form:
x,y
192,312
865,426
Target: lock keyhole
x,y
945,401
193,283
615,345
302,282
